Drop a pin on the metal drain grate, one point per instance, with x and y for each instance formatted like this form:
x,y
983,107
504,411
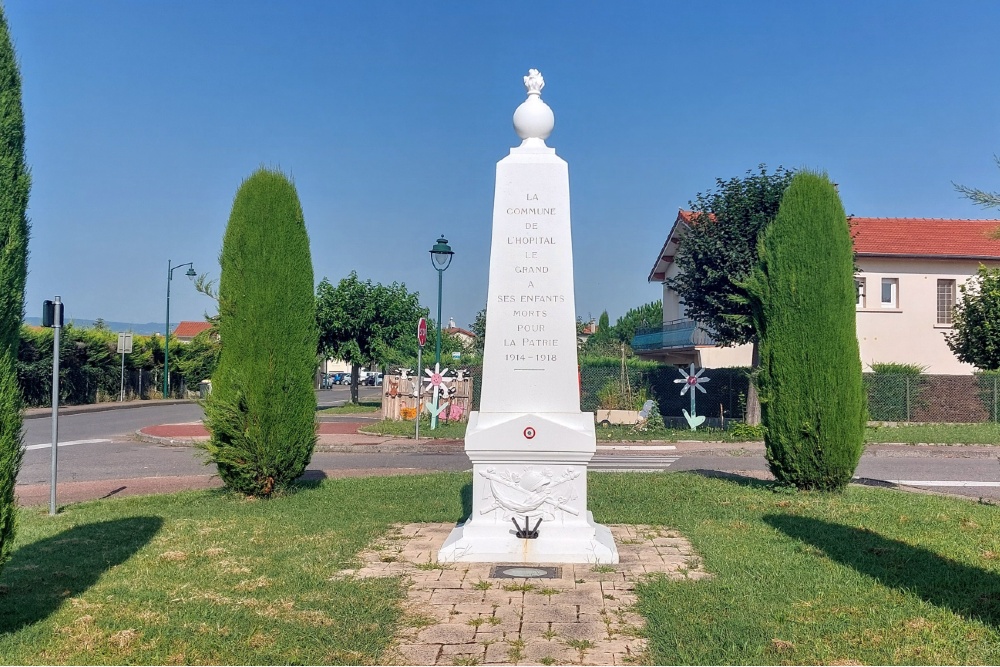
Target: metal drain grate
x,y
525,572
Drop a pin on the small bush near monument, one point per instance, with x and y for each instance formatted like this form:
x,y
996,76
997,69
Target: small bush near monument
x,y
261,412
803,300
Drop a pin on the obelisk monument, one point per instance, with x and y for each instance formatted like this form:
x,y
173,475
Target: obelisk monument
x,y
529,443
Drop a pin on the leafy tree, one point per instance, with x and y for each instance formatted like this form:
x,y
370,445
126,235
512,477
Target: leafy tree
x,y
603,342
976,336
368,324
15,184
802,299
718,253
643,317
198,359
261,412
611,341
981,197
479,329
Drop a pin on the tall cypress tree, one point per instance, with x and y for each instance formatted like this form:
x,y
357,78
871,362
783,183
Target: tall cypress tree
x,y
15,183
262,408
803,297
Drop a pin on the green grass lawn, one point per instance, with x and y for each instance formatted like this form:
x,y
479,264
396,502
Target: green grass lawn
x,y
946,434
405,429
363,407
868,576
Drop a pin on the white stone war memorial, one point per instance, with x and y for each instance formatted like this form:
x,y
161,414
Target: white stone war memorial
x,y
529,442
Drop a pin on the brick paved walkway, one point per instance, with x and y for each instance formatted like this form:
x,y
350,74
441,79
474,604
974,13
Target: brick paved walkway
x,y
459,615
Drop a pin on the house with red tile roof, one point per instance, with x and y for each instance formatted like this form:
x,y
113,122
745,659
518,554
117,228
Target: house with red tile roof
x,y
910,271
186,331
466,338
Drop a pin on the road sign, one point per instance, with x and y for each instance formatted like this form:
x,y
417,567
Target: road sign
x,y
422,331
124,343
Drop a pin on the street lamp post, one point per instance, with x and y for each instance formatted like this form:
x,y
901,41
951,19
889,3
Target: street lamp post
x,y
441,255
166,341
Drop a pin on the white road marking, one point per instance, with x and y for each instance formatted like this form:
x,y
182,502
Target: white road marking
x,y
631,463
917,482
636,448
67,443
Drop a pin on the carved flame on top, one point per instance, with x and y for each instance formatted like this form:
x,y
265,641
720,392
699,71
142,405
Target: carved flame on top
x,y
534,82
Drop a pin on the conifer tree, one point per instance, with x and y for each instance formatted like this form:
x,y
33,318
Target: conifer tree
x,y
261,412
802,299
15,183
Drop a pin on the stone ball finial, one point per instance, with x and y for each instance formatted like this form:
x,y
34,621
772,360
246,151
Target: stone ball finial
x,y
534,119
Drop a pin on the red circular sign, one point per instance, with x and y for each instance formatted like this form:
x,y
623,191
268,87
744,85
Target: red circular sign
x,y
422,332
529,432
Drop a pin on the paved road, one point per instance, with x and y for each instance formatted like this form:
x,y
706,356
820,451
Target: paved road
x,y
101,446
116,424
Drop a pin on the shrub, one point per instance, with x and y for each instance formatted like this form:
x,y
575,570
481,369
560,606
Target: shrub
x,y
743,431
803,301
614,396
892,390
197,360
261,412
654,422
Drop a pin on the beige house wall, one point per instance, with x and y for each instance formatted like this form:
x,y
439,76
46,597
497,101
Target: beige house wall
x,y
725,357
908,333
672,308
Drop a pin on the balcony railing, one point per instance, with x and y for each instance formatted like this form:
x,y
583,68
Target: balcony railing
x,y
677,333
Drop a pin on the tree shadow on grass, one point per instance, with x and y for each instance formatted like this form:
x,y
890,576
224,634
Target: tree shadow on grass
x,y
42,575
310,479
734,477
968,591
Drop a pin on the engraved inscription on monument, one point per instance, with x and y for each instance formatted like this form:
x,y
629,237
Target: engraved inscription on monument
x,y
529,443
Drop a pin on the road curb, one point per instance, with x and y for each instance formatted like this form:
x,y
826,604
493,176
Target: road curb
x,y
42,413
173,441
386,446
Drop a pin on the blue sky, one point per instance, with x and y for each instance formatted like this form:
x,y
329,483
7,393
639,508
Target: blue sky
x,y
143,117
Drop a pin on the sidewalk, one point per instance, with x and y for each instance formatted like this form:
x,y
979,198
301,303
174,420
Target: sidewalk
x,y
44,413
331,437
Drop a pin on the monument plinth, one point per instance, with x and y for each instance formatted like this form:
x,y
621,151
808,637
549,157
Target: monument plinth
x,y
529,443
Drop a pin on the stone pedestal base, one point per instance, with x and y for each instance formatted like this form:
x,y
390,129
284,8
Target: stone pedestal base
x,y
530,466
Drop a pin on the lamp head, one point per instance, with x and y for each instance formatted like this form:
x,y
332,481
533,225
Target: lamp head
x,y
441,254
190,272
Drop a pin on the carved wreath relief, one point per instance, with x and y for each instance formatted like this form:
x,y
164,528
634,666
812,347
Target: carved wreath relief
x,y
531,493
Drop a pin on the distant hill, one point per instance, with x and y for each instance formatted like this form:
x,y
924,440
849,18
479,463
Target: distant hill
x,y
146,328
